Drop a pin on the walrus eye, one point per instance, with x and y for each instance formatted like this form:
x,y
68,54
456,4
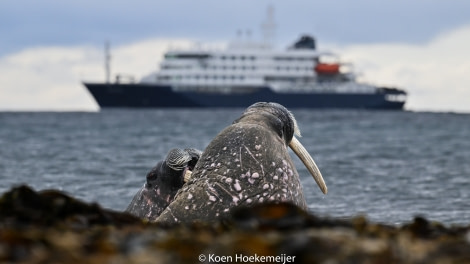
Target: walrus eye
x,y
153,174
281,134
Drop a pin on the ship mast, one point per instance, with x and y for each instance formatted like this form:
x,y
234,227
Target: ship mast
x,y
107,61
268,27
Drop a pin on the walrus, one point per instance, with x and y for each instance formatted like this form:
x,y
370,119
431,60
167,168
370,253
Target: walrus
x,y
162,183
245,164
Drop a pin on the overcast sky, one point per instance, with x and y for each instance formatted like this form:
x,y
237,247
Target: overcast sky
x,y
48,47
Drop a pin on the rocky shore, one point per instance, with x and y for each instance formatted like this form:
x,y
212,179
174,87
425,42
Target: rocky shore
x,y
52,227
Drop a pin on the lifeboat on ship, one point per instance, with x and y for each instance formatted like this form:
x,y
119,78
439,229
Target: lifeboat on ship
x,y
327,68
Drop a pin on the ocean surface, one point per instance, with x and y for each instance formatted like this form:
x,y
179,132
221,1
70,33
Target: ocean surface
x,y
387,166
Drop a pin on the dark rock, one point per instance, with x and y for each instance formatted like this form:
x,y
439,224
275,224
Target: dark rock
x,y
23,206
279,216
52,227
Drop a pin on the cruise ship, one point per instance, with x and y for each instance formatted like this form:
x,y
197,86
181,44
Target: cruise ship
x,y
244,73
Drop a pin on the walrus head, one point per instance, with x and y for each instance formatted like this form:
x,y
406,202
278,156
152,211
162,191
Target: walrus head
x,y
163,182
177,167
283,122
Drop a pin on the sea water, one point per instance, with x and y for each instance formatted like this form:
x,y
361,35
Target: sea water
x,y
387,165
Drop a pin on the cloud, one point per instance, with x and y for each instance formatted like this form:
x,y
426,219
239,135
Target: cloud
x,y
50,78
46,79
435,74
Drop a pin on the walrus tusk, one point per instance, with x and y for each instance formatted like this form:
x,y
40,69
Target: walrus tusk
x,y
187,175
302,153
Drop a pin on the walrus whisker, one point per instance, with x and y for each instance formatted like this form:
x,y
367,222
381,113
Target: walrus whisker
x,y
307,160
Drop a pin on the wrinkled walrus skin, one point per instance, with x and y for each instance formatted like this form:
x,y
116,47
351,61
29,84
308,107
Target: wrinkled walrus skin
x,y
245,164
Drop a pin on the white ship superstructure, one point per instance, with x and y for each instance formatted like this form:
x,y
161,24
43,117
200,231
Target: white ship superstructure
x,y
242,66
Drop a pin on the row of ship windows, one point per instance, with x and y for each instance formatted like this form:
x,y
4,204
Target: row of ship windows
x,y
252,58
275,58
201,77
213,67
207,56
200,56
278,68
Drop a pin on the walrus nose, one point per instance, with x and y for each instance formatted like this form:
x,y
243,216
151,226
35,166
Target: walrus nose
x,y
307,160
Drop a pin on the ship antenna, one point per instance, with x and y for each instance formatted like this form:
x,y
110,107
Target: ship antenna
x,y
268,27
107,60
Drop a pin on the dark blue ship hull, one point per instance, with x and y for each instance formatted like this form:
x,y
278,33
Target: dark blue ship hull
x,y
162,96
